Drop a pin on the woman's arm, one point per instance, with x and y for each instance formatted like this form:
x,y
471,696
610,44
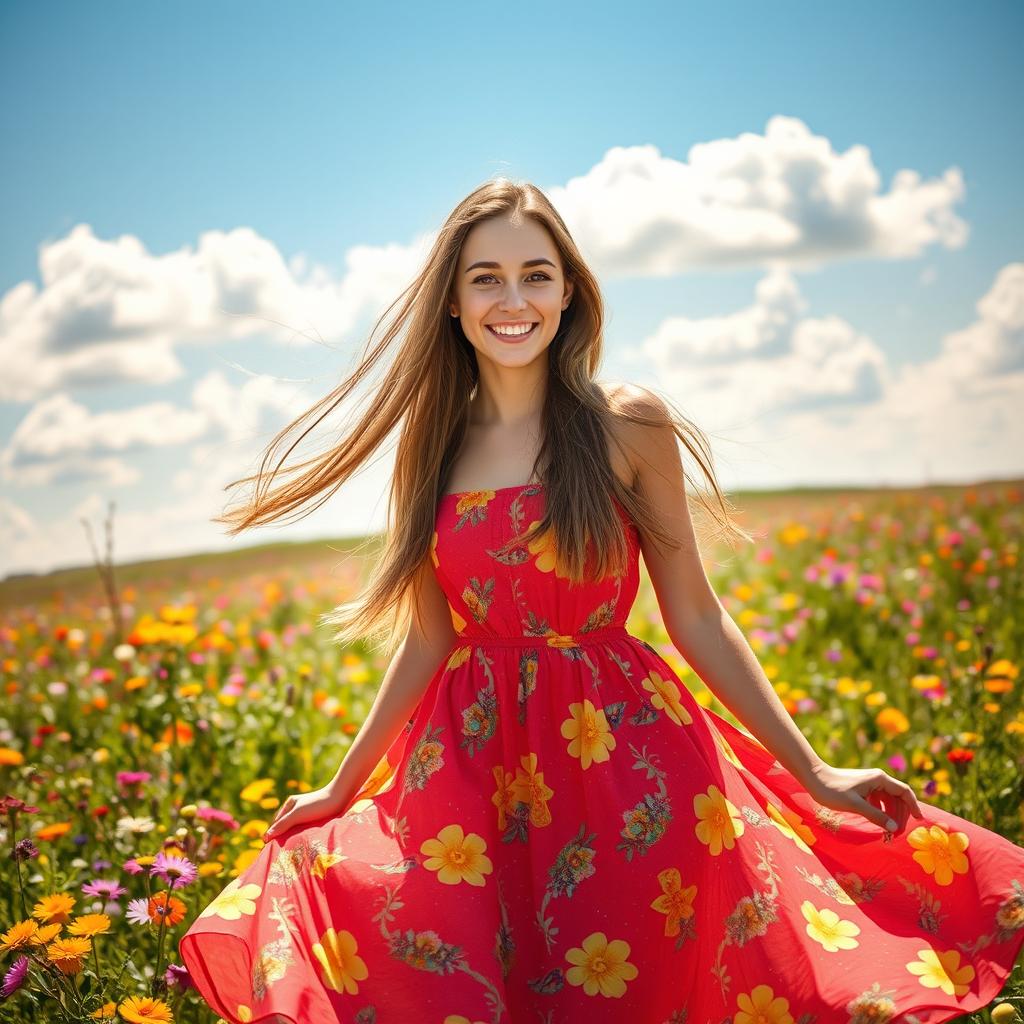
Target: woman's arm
x,y
430,636
697,624
712,643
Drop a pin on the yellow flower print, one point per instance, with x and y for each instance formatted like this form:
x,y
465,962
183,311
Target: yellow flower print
x,y
324,861
562,641
234,900
457,1018
382,778
546,557
720,822
792,826
243,1013
726,748
590,733
939,852
459,656
826,926
601,967
666,698
471,500
762,1006
457,857
675,901
504,796
341,967
942,971
457,620
531,789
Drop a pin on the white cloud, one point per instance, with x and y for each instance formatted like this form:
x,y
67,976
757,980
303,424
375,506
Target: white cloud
x,y
994,343
60,441
766,358
784,197
176,517
822,403
110,311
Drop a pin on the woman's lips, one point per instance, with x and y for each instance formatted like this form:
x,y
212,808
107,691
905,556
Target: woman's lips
x,y
512,337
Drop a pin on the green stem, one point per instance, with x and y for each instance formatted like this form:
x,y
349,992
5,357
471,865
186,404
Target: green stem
x,y
43,982
67,989
160,946
21,885
78,994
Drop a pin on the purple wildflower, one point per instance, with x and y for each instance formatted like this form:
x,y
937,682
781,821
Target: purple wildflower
x,y
25,849
177,976
177,872
15,977
104,889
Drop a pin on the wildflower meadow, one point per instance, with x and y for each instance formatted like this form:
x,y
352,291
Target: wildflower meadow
x,y
155,715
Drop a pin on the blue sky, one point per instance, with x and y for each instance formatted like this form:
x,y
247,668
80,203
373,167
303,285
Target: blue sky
x,y
848,347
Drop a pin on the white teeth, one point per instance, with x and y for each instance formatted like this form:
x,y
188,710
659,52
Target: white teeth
x,y
511,330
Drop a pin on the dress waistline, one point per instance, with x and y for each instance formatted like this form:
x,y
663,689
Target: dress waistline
x,y
559,640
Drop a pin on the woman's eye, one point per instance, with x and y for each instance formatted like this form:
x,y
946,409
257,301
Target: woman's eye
x,y
536,273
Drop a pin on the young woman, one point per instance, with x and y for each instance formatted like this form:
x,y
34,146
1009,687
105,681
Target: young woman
x,y
537,820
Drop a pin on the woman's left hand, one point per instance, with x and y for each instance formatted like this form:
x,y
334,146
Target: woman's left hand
x,y
863,790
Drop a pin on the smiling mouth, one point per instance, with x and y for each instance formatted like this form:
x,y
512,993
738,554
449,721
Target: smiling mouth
x,y
512,337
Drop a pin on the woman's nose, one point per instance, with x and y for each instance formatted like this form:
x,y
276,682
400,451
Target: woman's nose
x,y
512,300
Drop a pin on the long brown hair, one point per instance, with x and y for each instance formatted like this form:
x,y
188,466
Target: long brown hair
x,y
426,391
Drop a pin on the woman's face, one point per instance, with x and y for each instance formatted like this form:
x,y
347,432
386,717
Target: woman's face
x,y
521,285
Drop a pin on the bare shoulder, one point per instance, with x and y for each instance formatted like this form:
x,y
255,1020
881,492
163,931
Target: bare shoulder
x,y
657,441
635,398
685,596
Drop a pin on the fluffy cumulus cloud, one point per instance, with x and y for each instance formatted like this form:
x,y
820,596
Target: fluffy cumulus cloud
x,y
994,343
232,425
828,397
786,195
61,441
768,357
110,311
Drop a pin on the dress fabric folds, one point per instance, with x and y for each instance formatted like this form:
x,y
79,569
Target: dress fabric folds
x,y
561,834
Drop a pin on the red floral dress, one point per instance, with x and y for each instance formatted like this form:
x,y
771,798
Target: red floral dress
x,y
562,834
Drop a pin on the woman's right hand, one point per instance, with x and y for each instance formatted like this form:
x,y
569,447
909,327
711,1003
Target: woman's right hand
x,y
302,808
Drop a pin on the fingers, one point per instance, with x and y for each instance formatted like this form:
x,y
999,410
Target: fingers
x,y
898,798
872,813
278,823
902,790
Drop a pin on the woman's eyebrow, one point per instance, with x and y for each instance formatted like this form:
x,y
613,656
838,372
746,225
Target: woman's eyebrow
x,y
497,266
